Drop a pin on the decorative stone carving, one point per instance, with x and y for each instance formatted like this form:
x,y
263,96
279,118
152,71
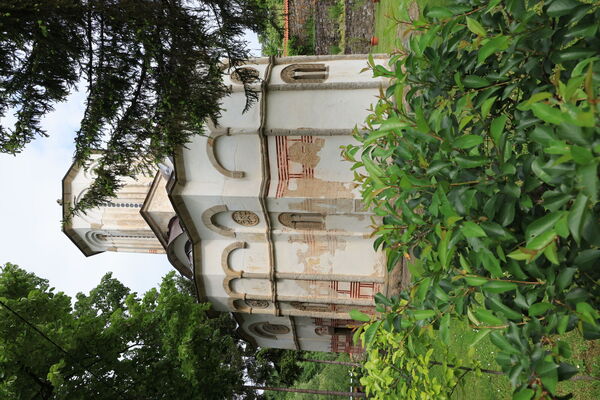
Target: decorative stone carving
x,y
245,218
305,73
324,330
275,329
311,306
257,303
303,221
268,330
207,218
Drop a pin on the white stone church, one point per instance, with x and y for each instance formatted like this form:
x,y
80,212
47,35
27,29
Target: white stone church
x,y
261,212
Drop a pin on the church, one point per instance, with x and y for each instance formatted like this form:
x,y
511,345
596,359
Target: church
x,y
261,211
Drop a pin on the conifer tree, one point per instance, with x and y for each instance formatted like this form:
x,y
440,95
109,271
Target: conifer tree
x,y
151,70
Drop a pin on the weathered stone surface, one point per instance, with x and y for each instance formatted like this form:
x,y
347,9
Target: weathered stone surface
x,y
327,29
300,14
360,25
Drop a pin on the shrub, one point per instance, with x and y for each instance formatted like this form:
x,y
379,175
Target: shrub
x,y
482,160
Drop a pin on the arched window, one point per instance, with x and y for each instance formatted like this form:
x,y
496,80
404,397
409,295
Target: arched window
x,y
303,221
268,330
305,73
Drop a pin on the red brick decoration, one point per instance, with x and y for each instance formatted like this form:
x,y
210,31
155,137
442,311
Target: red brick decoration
x,y
286,169
356,290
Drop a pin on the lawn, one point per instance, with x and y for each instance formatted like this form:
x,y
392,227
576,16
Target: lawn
x,y
586,355
386,29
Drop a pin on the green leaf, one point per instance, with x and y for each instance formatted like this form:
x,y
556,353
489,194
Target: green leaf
x,y
487,106
495,45
565,277
475,280
422,124
561,7
471,229
497,128
536,98
499,286
487,317
374,136
497,305
562,226
588,176
440,294
547,113
554,200
445,328
587,258
551,253
576,216
542,224
474,81
550,378
475,27
566,371
499,340
539,309
520,255
543,134
523,394
581,155
439,13
541,241
423,288
370,333
490,262
580,67
470,161
359,316
572,53
467,141
381,299
423,314
563,323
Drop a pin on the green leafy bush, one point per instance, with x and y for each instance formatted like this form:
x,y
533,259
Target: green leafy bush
x,y
482,159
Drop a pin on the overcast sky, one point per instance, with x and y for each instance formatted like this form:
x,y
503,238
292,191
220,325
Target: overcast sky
x,y
30,233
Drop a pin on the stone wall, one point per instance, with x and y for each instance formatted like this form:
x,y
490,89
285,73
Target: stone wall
x,y
360,26
300,14
327,30
360,23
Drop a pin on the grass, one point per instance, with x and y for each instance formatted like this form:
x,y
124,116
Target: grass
x,y
386,29
586,355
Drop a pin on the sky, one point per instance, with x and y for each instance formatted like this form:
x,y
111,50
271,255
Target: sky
x,y
30,234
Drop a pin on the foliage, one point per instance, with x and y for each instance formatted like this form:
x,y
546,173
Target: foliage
x,y
161,346
303,46
482,159
336,10
388,14
273,367
152,71
317,376
271,38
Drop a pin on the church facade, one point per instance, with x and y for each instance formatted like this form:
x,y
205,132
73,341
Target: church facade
x,y
261,211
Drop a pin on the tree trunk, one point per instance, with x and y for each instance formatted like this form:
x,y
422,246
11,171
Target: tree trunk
x,y
308,391
348,364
